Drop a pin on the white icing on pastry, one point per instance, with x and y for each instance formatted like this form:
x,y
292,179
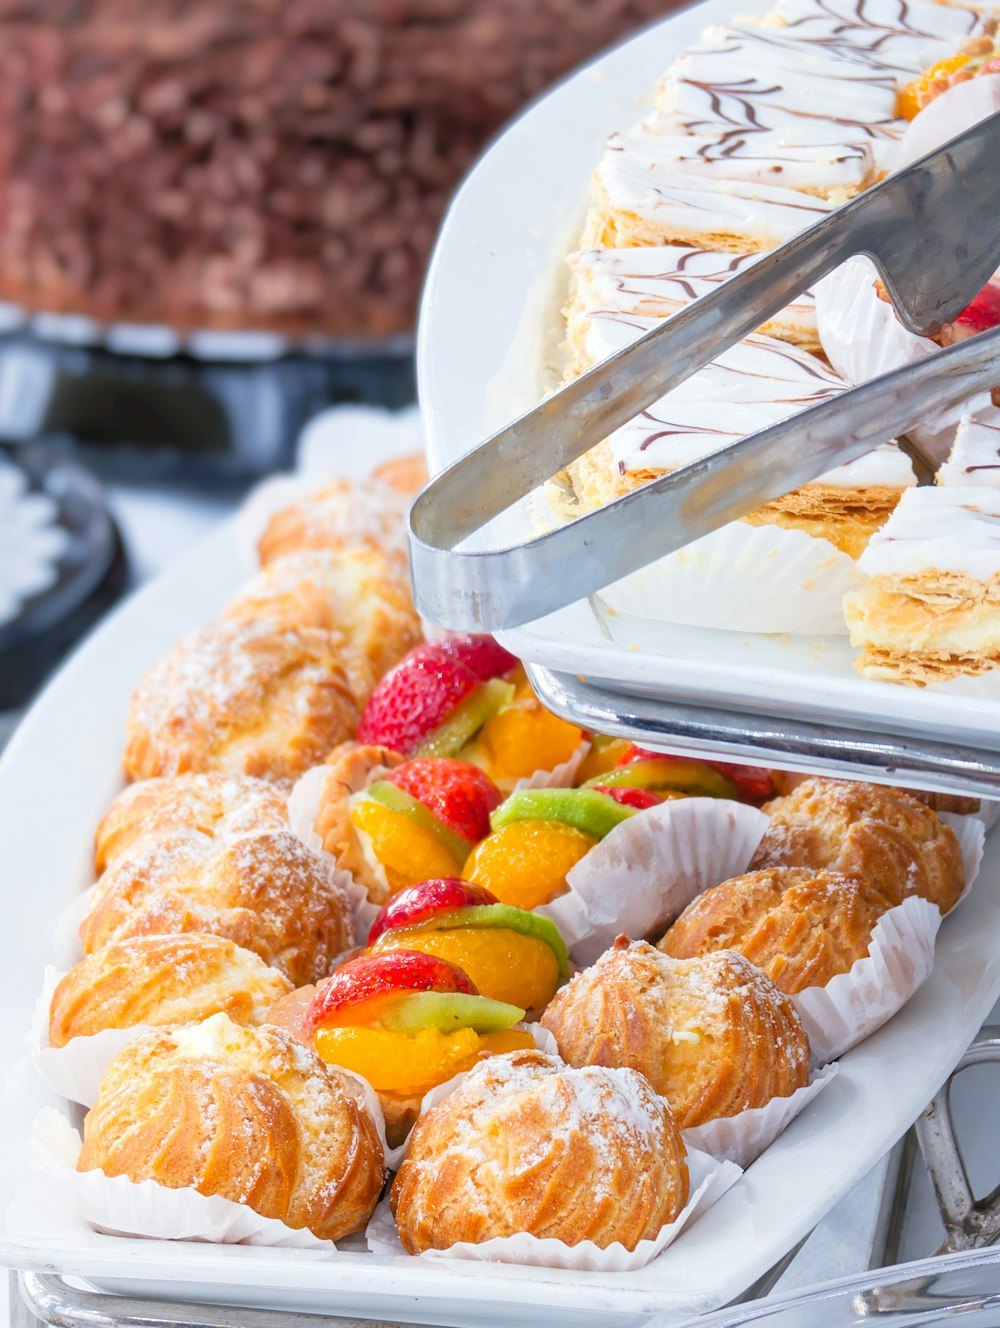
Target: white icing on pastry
x,y
660,279
757,382
682,204
903,34
975,454
950,529
764,158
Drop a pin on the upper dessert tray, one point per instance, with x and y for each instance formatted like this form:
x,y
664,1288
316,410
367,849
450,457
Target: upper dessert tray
x,y
865,598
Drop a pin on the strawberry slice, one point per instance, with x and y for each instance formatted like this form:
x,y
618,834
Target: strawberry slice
x,y
394,971
413,700
416,904
484,656
459,794
984,311
630,795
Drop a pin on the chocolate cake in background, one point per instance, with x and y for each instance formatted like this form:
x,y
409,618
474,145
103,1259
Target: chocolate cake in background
x,y
271,164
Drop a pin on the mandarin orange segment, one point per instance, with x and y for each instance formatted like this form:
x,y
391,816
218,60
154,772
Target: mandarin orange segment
x,y
525,737
504,965
912,98
406,851
512,1039
400,1062
526,862
604,755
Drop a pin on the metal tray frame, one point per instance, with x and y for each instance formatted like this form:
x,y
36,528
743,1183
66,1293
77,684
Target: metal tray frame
x,y
876,753
963,1277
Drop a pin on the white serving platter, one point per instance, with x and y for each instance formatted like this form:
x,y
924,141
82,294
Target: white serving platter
x,y
490,327
56,779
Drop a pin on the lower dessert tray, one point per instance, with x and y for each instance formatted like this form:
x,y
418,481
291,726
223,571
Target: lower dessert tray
x,y
59,775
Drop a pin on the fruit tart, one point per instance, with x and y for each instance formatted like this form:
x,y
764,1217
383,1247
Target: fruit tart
x,y
616,766
392,823
527,1144
510,954
245,1113
469,698
539,835
406,1021
713,1034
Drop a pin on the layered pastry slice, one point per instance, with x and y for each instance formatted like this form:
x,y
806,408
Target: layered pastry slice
x,y
660,280
930,608
756,383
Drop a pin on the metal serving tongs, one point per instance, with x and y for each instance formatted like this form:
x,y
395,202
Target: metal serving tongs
x,y
933,231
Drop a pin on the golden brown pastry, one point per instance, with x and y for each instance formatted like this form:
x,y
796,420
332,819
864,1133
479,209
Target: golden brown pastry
x,y
898,842
354,592
244,698
246,1113
801,927
344,514
351,768
266,892
526,1143
213,803
712,1034
163,980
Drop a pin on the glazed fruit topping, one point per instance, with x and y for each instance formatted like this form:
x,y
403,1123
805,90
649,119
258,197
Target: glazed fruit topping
x,y
629,795
438,696
458,793
526,863
713,779
584,809
421,902
389,794
369,976
984,311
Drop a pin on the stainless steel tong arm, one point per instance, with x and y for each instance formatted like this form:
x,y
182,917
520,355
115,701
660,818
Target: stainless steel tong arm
x,y
933,231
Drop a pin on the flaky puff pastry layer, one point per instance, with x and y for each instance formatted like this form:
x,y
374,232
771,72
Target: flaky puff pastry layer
x,y
355,592
713,1034
243,698
351,767
214,804
526,1143
802,928
163,980
926,627
246,1113
896,841
266,892
344,514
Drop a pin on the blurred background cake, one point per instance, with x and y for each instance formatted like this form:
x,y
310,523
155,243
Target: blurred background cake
x,y
272,164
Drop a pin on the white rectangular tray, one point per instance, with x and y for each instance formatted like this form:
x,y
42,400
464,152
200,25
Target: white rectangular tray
x,y
56,779
489,327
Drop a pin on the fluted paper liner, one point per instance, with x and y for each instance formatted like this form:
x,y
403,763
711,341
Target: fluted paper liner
x,y
744,578
743,1137
119,1206
854,1004
66,933
303,808
650,867
710,1178
970,831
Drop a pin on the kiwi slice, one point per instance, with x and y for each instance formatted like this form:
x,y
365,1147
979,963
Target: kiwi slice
x,y
398,800
507,916
467,719
672,774
584,809
448,1011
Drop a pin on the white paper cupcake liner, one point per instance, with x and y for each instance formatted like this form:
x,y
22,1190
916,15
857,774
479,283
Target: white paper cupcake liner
x,y
744,578
970,831
863,338
743,1137
710,1178
119,1206
650,867
66,934
75,1070
853,1005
